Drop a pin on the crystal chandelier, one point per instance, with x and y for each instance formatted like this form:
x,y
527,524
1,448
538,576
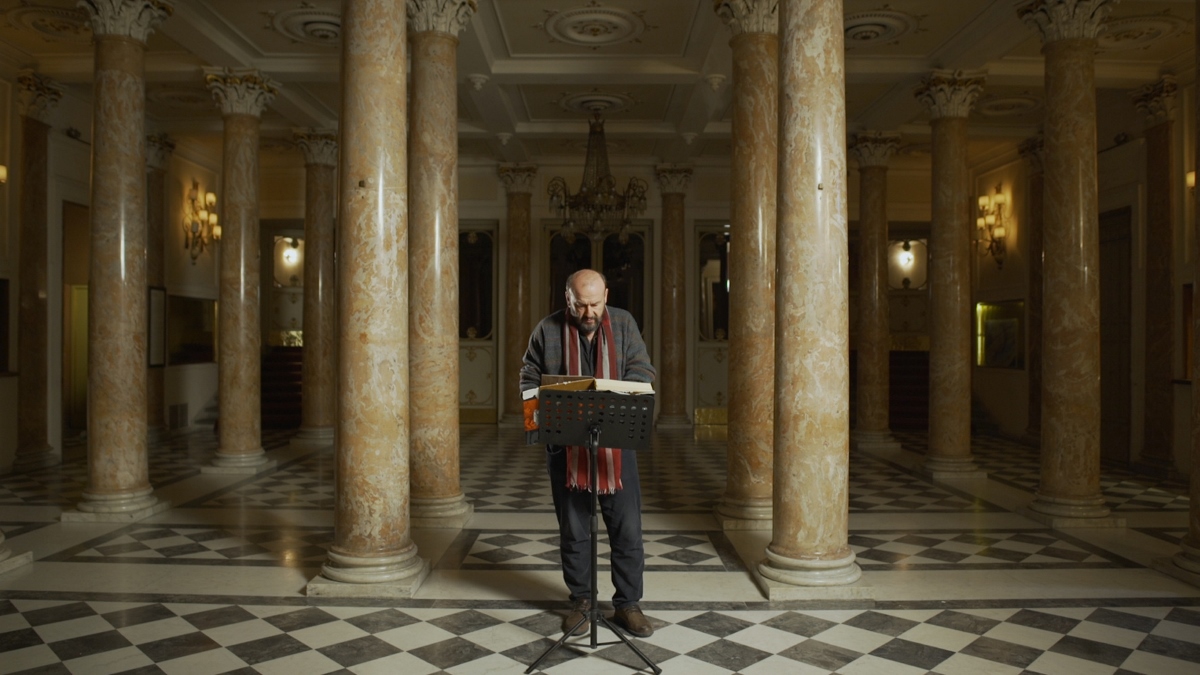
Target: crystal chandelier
x,y
597,209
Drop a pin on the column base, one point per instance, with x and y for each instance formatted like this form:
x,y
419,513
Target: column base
x,y
790,573
33,460
952,468
1184,565
346,576
244,463
448,513
874,440
679,421
14,561
748,514
312,438
1058,512
122,508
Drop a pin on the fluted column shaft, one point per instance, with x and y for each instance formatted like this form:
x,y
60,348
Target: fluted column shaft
x,y
746,501
809,537
672,367
1070,476
118,461
372,540
318,406
437,497
157,153
33,448
518,181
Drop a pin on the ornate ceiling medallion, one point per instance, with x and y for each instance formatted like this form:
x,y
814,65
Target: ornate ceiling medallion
x,y
594,26
54,24
1008,106
1138,32
596,102
879,27
308,25
181,98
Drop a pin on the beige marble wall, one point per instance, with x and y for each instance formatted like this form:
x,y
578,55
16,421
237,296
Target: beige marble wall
x,y
318,405
1070,477
158,154
746,502
672,363
809,536
118,462
1157,102
1032,150
437,499
949,96
518,180
38,96
872,150
241,95
372,541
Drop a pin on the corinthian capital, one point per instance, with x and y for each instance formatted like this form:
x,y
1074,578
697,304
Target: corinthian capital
x,y
126,18
873,148
673,178
1156,100
518,178
240,91
37,94
1066,19
950,93
444,16
319,147
749,16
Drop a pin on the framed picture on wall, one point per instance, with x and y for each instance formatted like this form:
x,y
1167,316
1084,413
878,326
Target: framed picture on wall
x,y
156,344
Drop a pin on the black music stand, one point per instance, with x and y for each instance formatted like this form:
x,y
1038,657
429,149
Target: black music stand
x,y
581,418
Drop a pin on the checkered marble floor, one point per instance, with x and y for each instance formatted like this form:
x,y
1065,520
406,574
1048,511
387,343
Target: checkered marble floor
x,y
953,582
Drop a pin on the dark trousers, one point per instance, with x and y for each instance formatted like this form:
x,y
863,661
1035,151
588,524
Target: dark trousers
x,y
622,513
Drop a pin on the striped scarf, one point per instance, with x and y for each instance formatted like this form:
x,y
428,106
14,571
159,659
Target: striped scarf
x,y
609,472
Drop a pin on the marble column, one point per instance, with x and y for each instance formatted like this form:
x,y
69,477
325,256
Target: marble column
x,y
1069,493
118,487
437,498
948,96
158,156
1032,151
318,403
746,502
38,96
373,553
810,532
518,182
1157,102
241,94
672,363
872,430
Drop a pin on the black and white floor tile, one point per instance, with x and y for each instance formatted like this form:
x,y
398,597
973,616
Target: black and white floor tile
x,y
961,585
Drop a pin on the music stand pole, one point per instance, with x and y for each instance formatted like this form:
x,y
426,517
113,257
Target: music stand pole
x,y
594,614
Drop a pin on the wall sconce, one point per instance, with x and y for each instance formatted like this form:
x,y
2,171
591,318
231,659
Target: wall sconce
x,y
1190,180
3,174
291,254
200,227
990,225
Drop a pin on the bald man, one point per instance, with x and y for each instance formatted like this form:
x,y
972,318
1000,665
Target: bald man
x,y
590,339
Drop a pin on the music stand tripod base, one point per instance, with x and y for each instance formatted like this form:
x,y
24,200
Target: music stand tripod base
x,y
580,418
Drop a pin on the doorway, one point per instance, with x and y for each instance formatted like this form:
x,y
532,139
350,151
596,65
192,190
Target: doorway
x,y
76,261
1115,327
622,260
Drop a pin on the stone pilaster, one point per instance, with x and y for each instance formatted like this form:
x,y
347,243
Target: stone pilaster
x,y
373,553
1032,150
518,181
158,157
672,367
1069,494
809,535
948,96
318,403
1157,102
437,498
37,95
241,94
872,430
746,502
118,486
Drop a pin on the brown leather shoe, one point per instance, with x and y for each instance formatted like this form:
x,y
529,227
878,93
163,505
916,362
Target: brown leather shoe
x,y
579,612
632,621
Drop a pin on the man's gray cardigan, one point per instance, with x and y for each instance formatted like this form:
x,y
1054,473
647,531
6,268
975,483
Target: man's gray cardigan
x,y
545,351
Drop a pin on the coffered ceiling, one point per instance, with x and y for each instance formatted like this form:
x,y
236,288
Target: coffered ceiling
x,y
528,69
